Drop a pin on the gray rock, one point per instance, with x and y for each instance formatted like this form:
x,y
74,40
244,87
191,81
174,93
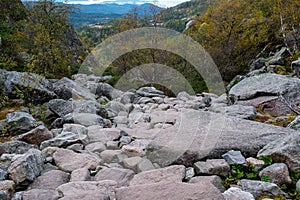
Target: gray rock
x,y
37,194
243,112
295,124
3,175
60,107
7,188
264,85
145,100
102,135
184,96
145,165
215,180
50,180
85,119
175,173
235,193
26,167
277,173
296,67
35,136
112,156
212,167
260,188
131,163
76,147
189,173
298,186
68,160
66,89
257,64
150,92
17,196
88,190
16,147
114,107
82,174
20,122
234,157
96,147
29,84
169,190
121,176
284,150
184,142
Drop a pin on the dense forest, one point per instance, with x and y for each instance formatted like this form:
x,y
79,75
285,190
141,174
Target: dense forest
x,y
39,38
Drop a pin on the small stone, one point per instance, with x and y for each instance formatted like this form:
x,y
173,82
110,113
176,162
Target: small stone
x,y
256,163
112,145
124,140
235,193
81,174
7,188
234,157
75,147
3,175
132,162
112,156
145,165
96,147
121,176
212,167
278,173
189,173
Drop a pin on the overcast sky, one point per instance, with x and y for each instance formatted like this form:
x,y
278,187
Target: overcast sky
x,y
165,3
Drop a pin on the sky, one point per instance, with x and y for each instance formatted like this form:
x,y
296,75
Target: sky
x,y
163,3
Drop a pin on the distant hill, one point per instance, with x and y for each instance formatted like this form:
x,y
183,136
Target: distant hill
x,y
177,16
102,13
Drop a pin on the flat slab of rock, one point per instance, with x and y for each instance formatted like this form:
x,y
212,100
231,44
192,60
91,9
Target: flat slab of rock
x,y
88,190
102,135
169,190
174,173
36,136
36,194
50,180
212,167
68,160
199,134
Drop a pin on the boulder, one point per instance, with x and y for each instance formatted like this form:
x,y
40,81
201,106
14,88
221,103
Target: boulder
x,y
260,188
20,122
17,147
235,193
68,160
234,157
81,174
175,173
121,176
26,85
7,188
26,167
66,88
150,92
169,190
212,167
295,124
284,150
36,136
50,180
85,119
215,180
87,190
37,194
277,173
198,134
60,107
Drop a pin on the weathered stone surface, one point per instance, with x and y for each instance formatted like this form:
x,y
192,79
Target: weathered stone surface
x,y
169,190
150,92
30,84
215,180
17,147
7,188
260,188
284,150
212,167
95,147
174,173
88,190
60,107
85,119
102,135
50,180
256,163
121,176
235,193
298,186
38,194
234,157
264,85
278,173
66,89
244,112
3,174
295,124
136,148
131,163
81,174
36,136
184,141
20,122
68,160
63,140
26,167
145,165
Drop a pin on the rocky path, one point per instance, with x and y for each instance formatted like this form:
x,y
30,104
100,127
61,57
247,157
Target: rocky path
x,y
101,143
